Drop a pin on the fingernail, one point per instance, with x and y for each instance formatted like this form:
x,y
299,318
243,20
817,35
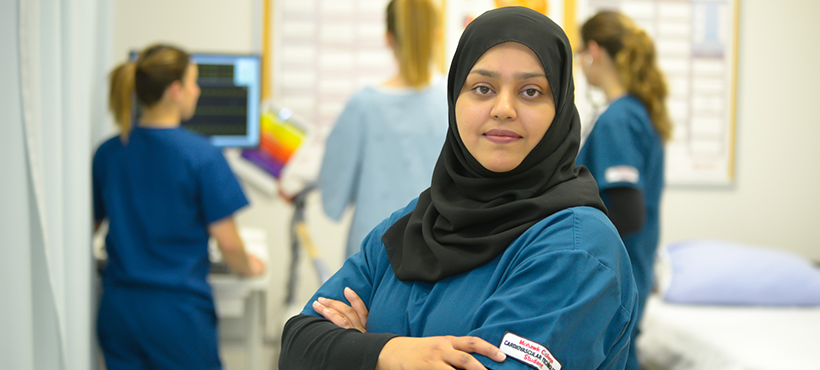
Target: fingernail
x,y
500,356
322,299
317,304
348,289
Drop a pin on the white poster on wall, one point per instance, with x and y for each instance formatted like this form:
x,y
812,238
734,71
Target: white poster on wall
x,y
697,51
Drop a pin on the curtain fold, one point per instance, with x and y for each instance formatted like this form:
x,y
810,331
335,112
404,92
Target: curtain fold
x,y
58,48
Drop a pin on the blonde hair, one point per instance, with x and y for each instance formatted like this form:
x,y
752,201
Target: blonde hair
x,y
156,68
633,52
414,25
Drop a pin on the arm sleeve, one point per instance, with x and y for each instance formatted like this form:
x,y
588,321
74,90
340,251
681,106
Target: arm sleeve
x,y
309,342
96,183
627,209
565,299
613,153
312,342
341,164
220,192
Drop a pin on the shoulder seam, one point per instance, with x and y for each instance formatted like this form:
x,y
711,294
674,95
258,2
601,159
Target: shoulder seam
x,y
577,242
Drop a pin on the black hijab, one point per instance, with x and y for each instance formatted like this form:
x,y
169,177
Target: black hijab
x,y
470,215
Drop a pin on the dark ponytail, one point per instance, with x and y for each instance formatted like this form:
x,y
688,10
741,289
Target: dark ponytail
x,y
156,68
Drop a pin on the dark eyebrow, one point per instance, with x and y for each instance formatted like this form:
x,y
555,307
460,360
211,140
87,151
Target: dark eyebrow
x,y
518,76
529,75
485,73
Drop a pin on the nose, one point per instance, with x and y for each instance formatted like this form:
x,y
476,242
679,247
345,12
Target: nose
x,y
504,107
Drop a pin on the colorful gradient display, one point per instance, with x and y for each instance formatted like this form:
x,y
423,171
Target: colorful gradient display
x,y
278,140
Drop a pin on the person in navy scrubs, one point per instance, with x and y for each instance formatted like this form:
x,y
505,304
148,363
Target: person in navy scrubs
x,y
508,260
623,147
164,191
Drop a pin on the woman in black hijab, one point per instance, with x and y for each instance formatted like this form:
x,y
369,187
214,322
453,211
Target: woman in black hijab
x,y
510,245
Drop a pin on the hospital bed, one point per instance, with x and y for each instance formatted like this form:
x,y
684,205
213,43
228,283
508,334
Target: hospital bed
x,y
747,324
695,337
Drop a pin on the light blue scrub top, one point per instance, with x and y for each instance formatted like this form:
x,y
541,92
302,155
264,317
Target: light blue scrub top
x,y
565,283
381,154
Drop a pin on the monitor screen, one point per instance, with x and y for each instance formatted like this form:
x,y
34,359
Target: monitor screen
x,y
228,107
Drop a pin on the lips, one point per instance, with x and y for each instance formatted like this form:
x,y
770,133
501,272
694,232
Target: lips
x,y
502,136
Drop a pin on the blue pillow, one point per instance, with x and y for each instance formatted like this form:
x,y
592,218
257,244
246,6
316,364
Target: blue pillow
x,y
720,272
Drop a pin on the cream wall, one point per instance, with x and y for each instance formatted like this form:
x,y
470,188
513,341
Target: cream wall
x,y
200,25
773,200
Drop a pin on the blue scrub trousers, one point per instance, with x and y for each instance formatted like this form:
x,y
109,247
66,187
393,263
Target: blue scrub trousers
x,y
144,328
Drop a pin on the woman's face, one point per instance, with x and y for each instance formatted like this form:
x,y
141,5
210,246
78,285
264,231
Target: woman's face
x,y
189,92
587,57
584,60
505,106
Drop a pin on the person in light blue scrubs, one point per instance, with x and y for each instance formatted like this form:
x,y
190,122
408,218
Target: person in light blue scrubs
x,y
164,191
382,149
508,260
624,145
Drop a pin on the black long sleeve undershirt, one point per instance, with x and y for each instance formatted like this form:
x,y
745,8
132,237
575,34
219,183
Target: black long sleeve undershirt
x,y
310,342
627,209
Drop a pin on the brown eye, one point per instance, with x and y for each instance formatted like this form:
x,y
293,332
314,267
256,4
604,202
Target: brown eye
x,y
482,90
531,92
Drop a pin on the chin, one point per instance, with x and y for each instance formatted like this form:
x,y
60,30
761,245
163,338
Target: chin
x,y
500,167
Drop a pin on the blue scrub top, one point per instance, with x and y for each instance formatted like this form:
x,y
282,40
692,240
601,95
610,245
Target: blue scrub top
x,y
565,283
159,193
624,150
381,153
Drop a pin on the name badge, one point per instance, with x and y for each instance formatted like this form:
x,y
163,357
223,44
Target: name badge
x,y
622,174
528,352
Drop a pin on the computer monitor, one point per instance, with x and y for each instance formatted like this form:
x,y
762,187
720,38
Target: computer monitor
x,y
228,107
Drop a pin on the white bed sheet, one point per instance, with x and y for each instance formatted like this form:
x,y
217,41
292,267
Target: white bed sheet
x,y
695,337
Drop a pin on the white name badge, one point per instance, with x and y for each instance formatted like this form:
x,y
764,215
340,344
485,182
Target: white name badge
x,y
529,352
622,174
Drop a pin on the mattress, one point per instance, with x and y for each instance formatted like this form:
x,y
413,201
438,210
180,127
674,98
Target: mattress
x,y
695,337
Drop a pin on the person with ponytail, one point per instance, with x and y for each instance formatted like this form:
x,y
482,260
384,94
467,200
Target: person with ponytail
x,y
624,146
381,151
508,260
164,191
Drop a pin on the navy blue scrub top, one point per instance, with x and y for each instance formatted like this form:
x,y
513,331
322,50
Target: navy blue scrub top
x,y
160,192
624,150
566,283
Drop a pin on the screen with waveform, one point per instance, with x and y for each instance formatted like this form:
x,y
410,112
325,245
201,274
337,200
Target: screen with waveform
x,y
228,107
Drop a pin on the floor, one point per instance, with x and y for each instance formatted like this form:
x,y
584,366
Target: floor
x,y
234,358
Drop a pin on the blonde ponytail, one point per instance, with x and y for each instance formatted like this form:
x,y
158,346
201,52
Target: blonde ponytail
x,y
634,54
416,29
120,98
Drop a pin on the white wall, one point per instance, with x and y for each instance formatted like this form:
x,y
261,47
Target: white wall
x,y
774,200
195,25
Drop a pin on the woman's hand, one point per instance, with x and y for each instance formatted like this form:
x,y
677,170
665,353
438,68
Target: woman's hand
x,y
257,267
339,313
448,352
